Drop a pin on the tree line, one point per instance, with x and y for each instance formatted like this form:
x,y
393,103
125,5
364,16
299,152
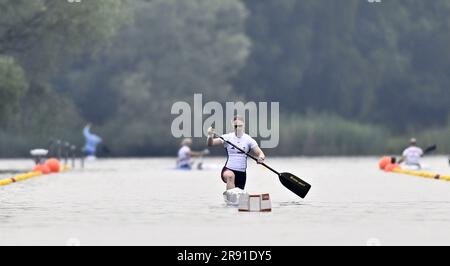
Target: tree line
x,y
352,77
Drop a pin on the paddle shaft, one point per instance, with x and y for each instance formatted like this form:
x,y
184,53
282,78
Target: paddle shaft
x,y
249,155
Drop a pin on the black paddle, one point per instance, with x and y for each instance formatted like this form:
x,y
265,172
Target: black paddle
x,y
290,181
429,149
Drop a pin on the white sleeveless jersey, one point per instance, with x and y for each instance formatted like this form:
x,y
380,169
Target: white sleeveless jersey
x,y
184,156
237,160
412,155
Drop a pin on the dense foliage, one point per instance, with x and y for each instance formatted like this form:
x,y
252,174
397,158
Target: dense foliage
x,y
352,77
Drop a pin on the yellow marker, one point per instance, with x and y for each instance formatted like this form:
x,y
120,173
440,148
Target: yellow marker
x,y
422,174
66,168
22,177
19,178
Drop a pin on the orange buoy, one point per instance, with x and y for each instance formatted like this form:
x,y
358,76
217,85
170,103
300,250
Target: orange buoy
x,y
37,168
53,165
42,168
45,169
390,167
385,161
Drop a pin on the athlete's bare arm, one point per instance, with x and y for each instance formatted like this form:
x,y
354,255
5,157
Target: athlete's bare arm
x,y
259,154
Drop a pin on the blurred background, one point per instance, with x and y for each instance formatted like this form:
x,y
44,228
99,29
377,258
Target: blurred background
x,y
353,77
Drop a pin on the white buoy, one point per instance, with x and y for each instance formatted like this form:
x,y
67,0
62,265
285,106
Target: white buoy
x,y
39,155
39,152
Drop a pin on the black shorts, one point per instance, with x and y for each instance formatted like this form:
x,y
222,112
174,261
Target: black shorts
x,y
239,178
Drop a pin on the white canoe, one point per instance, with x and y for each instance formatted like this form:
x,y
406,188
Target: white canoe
x,y
232,196
415,167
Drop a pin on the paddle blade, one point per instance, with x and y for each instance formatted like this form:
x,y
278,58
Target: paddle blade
x,y
295,184
430,149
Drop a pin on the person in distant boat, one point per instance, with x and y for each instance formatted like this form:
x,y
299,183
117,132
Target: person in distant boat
x,y
234,172
185,154
411,155
92,140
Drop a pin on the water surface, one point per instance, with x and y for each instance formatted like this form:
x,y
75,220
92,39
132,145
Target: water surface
x,y
146,202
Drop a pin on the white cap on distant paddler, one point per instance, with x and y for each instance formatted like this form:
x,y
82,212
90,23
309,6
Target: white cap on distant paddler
x,y
186,142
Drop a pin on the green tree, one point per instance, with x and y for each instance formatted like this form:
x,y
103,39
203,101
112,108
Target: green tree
x,y
12,86
42,37
43,34
172,50
382,63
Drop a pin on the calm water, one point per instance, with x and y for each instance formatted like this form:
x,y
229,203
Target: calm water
x,y
145,202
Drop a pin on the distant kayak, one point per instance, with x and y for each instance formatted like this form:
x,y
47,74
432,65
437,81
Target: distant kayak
x,y
415,167
201,167
91,158
209,166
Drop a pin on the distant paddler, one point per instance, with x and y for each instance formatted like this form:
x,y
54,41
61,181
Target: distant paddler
x,y
411,156
410,159
185,155
92,140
